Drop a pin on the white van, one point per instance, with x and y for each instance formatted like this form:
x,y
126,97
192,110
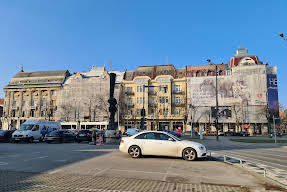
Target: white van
x,y
34,130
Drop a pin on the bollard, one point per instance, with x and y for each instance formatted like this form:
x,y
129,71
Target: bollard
x,y
264,173
224,158
240,162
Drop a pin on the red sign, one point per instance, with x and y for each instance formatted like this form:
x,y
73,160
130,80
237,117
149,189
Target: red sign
x,y
166,127
179,128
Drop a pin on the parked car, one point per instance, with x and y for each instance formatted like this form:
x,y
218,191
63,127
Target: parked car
x,y
34,130
84,135
244,134
6,135
210,133
173,133
231,133
61,136
131,131
162,144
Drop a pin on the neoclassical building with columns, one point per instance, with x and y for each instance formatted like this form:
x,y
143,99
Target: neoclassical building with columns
x,y
32,96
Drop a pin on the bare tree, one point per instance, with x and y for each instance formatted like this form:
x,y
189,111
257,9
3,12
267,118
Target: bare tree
x,y
66,111
238,114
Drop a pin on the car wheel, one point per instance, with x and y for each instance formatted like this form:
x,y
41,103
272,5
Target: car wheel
x,y
189,154
135,151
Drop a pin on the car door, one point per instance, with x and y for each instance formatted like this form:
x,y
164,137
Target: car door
x,y
147,143
36,132
166,145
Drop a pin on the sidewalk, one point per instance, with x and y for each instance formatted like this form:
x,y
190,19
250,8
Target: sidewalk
x,y
68,183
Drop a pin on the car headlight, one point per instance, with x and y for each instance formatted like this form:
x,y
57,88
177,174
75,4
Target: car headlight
x,y
201,148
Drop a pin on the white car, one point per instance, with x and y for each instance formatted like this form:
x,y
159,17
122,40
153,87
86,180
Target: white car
x,y
162,144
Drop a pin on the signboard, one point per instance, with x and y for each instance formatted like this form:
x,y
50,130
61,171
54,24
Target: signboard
x,y
240,88
273,93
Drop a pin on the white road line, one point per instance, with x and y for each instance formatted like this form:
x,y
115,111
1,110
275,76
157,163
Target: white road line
x,y
35,158
35,152
54,171
252,159
61,160
3,163
101,171
260,153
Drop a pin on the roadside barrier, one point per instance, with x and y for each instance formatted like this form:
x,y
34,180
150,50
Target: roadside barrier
x,y
267,173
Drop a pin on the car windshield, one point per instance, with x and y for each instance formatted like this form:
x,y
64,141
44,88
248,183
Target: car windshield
x,y
26,127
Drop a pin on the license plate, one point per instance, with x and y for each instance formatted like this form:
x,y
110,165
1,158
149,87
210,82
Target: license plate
x,y
82,135
17,139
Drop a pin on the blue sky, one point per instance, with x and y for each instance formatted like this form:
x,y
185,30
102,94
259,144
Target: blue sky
x,y
74,35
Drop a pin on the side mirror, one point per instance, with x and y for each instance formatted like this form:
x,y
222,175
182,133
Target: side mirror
x,y
170,139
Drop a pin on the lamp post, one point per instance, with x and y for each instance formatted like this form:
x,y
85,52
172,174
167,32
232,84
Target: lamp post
x,y
283,37
216,98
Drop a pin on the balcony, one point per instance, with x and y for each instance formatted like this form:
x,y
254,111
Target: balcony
x,y
129,93
152,93
152,104
182,104
179,92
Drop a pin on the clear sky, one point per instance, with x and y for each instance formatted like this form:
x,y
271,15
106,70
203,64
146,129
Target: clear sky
x,y
75,34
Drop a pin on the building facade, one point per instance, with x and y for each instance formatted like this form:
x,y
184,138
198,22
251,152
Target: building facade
x,y
32,96
83,99
161,91
242,95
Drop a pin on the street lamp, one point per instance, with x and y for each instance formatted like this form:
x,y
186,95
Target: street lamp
x,y
283,37
216,97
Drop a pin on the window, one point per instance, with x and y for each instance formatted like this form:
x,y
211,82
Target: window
x,y
146,136
129,89
44,102
165,111
24,103
14,104
139,88
34,103
161,136
177,100
140,100
53,93
129,112
129,101
163,88
176,88
23,113
176,111
138,112
36,128
43,113
163,99
228,72
54,102
32,113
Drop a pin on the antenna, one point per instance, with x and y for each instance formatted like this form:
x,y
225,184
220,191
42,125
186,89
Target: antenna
x,y
22,68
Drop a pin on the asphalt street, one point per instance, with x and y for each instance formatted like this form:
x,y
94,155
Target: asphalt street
x,y
273,156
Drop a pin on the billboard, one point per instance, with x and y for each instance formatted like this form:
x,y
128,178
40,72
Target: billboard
x,y
272,88
246,86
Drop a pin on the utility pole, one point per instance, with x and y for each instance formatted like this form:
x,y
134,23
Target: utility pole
x,y
216,120
216,98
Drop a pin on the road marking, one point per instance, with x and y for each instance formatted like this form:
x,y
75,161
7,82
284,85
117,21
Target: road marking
x,y
61,160
3,163
35,152
101,171
8,156
83,150
54,171
36,158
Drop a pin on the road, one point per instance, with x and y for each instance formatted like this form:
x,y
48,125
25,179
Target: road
x,y
269,154
76,167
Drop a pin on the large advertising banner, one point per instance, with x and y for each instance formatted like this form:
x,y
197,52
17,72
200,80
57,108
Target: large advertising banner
x,y
272,87
241,88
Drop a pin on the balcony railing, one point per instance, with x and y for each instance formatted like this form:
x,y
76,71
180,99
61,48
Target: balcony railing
x,y
129,93
152,104
177,104
178,92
